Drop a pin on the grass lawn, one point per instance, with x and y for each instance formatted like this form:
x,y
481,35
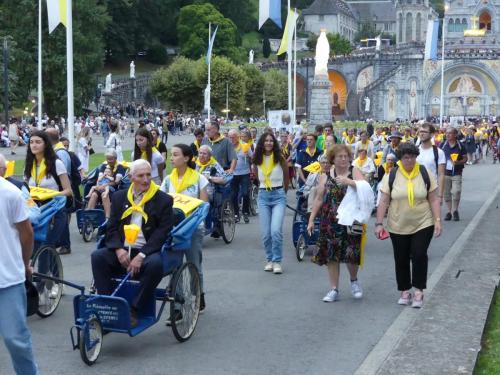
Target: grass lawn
x,y
95,160
489,357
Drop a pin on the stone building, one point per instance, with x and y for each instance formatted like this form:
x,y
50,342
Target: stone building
x,y
411,20
335,16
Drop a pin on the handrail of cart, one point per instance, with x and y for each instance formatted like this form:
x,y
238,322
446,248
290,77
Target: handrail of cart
x,y
61,281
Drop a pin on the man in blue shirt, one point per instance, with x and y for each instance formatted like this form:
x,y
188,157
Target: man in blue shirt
x,y
307,157
453,172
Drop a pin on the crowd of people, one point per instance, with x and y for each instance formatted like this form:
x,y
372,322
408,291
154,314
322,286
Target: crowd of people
x,y
400,173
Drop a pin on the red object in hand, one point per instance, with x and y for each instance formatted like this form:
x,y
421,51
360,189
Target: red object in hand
x,y
383,235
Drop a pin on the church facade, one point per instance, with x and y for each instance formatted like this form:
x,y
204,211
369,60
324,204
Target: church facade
x,y
398,83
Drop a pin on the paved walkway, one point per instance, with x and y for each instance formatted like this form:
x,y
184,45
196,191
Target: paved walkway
x,y
256,322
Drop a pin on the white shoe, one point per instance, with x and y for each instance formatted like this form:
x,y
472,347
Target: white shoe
x,y
331,296
356,290
269,267
277,268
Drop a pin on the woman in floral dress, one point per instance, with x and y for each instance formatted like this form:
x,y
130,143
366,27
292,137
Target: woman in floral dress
x,y
335,245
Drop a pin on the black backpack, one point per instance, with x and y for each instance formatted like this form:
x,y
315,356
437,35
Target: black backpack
x,y
423,172
76,180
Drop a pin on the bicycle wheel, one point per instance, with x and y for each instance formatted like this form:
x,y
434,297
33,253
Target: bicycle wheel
x,y
87,231
185,309
228,224
91,341
301,248
47,262
254,209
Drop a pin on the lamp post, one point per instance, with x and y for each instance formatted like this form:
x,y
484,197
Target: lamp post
x,y
6,79
441,102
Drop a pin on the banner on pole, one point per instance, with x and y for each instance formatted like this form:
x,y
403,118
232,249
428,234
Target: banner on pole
x,y
270,9
210,46
57,11
291,22
280,119
431,42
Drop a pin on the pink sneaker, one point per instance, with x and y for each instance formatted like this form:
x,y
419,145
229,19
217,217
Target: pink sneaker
x,y
418,300
405,298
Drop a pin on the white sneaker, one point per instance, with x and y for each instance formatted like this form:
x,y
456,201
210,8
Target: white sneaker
x,y
356,290
269,267
277,268
331,296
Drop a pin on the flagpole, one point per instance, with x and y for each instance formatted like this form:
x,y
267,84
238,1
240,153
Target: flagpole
x,y
289,65
39,65
209,66
295,71
69,74
441,102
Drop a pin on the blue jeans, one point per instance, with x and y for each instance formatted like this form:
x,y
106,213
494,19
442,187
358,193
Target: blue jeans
x,y
14,330
240,186
194,254
272,206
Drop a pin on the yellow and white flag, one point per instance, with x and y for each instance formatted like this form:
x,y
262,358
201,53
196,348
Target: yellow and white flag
x,y
286,41
58,13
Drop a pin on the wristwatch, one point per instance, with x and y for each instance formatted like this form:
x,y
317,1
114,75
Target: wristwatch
x,y
142,255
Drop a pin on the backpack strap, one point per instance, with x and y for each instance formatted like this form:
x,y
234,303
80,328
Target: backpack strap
x,y
392,177
436,156
425,177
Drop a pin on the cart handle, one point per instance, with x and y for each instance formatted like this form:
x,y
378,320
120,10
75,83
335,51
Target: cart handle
x,y
295,210
121,283
60,281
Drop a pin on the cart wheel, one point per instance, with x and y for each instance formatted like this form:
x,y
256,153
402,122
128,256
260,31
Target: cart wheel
x,y
254,209
185,309
301,248
91,341
228,224
48,262
87,231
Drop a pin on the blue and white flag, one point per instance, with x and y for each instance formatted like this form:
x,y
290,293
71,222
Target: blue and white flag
x,y
431,42
210,45
270,9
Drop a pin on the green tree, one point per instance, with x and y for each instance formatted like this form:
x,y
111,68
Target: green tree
x,y
192,31
275,89
254,84
367,30
338,44
88,52
179,84
224,74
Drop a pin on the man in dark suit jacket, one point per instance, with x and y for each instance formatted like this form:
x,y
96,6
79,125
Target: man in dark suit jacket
x,y
145,259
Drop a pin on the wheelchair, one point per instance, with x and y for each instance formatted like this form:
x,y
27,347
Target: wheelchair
x,y
220,219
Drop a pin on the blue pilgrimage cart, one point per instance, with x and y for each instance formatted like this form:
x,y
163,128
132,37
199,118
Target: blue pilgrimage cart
x,y
96,315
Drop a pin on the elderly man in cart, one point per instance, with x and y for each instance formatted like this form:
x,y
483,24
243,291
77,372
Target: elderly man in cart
x,y
150,209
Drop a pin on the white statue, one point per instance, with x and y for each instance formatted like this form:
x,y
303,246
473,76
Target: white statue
x,y
413,99
367,104
107,87
132,69
322,55
250,57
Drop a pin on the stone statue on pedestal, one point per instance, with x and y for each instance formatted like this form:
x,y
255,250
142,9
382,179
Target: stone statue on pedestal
x,y
322,55
107,87
321,91
250,57
132,70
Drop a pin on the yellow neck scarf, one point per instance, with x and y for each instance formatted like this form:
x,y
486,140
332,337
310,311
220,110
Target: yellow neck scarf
x,y
158,143
197,145
58,146
139,207
360,162
144,154
284,150
112,168
386,168
310,152
267,168
221,137
350,139
41,172
410,177
207,164
190,178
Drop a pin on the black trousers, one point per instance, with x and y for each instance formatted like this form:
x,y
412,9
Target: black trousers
x,y
105,266
412,248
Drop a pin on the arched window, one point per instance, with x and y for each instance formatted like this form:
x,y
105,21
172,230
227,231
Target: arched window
x,y
485,21
400,36
451,25
464,24
409,27
418,30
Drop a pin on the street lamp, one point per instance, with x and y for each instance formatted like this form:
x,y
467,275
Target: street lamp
x,y
441,103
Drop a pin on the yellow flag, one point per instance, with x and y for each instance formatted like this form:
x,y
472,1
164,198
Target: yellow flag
x,y
57,11
313,167
291,23
186,203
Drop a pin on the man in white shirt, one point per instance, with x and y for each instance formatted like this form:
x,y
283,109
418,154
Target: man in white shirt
x,y
432,157
16,238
